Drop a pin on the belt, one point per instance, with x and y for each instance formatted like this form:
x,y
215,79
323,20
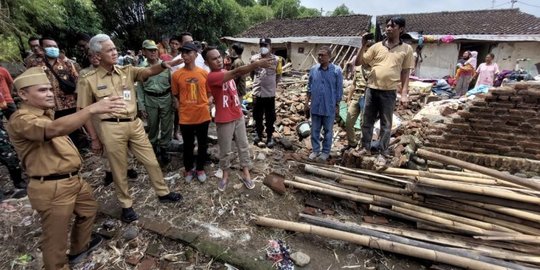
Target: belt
x,y
152,94
117,120
55,176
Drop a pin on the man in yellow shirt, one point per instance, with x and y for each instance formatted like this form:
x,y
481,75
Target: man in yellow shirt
x,y
391,62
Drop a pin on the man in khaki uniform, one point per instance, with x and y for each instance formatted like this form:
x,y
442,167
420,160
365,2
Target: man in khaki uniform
x,y
156,103
52,162
118,131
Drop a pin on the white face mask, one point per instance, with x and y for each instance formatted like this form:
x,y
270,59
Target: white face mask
x,y
264,50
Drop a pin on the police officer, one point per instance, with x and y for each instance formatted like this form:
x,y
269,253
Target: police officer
x,y
120,131
156,104
51,160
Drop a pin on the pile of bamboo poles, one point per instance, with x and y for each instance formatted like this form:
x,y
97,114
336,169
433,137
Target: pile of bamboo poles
x,y
479,218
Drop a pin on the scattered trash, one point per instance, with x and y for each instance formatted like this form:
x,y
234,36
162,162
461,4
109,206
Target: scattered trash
x,y
280,254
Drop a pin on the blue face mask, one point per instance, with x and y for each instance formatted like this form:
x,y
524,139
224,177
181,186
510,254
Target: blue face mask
x,y
52,52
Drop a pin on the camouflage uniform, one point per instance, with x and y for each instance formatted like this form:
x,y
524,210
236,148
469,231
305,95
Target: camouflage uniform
x,y
9,158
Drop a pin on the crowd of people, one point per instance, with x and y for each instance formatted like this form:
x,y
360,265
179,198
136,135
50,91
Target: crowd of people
x,y
110,96
172,85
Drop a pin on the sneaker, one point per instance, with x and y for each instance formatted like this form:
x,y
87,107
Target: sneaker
x,y
132,174
313,156
201,176
188,175
172,197
129,215
108,179
222,185
95,241
270,143
323,157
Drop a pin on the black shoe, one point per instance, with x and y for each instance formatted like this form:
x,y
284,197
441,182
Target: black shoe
x,y
129,215
19,194
95,241
108,179
257,139
170,198
164,156
132,174
270,143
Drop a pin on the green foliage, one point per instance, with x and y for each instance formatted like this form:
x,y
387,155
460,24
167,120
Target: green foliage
x,y
286,9
10,50
309,12
257,14
265,2
246,3
342,10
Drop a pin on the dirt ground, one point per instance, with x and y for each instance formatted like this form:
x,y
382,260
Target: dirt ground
x,y
223,217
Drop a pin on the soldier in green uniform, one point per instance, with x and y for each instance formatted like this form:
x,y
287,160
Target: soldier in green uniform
x,y
156,104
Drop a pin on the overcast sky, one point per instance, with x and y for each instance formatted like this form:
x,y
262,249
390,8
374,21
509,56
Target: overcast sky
x,y
384,7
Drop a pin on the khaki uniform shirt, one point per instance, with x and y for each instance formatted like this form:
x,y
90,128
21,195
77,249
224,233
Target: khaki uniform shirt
x,y
99,84
360,83
386,65
156,84
64,69
41,157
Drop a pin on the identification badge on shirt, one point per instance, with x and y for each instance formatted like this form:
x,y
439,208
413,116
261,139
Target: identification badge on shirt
x,y
127,94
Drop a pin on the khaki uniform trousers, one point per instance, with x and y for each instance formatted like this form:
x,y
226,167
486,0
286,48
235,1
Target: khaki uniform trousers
x,y
56,201
353,111
117,137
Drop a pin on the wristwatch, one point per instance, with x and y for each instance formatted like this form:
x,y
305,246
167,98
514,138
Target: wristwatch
x,y
163,65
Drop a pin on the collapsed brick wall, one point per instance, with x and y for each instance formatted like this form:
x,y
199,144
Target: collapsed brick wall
x,y
505,122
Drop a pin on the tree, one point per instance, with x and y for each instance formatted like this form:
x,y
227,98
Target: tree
x,y
286,9
309,12
258,13
246,3
342,10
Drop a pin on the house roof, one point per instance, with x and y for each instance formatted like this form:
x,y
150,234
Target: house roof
x,y
483,22
333,26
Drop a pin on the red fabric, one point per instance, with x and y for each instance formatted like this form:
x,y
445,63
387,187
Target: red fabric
x,y
165,57
226,99
6,82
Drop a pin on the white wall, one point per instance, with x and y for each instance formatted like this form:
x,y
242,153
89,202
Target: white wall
x,y
300,61
507,53
439,60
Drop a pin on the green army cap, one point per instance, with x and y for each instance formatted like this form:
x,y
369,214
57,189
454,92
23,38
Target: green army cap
x,y
149,44
32,76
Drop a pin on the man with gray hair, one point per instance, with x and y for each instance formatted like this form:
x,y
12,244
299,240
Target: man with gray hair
x,y
120,131
325,88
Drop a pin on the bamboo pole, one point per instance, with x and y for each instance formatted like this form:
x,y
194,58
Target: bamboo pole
x,y
521,238
339,175
469,174
375,186
477,168
442,221
373,174
484,190
462,242
505,210
393,196
378,243
322,185
471,197
354,228
353,197
464,220
467,179
395,214
505,224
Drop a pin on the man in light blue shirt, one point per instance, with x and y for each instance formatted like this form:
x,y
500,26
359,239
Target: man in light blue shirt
x,y
325,88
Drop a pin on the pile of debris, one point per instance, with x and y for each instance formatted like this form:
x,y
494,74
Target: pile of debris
x,y
478,219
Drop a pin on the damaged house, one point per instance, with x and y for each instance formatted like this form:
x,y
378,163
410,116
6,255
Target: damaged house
x,y
298,40
511,35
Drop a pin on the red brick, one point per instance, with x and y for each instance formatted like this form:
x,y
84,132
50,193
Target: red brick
x,y
310,211
503,98
521,86
375,219
505,90
502,105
